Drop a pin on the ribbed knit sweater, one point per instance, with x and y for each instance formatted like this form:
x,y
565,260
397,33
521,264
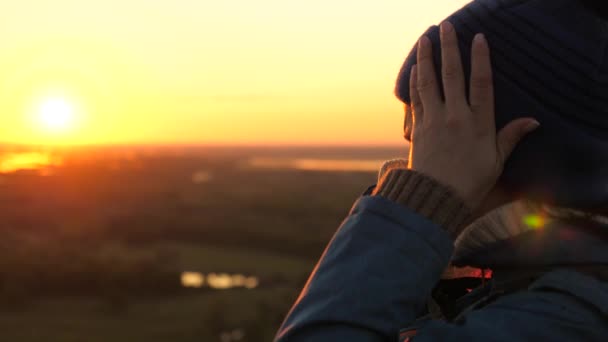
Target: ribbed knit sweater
x,y
426,196
443,206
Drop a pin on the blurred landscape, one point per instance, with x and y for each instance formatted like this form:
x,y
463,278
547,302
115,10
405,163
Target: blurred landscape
x,y
166,243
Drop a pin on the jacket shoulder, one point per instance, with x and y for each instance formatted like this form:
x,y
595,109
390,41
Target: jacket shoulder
x,y
563,305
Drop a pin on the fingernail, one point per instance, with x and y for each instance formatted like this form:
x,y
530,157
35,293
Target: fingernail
x,y
446,27
531,126
422,42
479,38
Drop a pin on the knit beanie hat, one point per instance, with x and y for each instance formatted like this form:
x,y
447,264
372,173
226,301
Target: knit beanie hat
x,y
550,62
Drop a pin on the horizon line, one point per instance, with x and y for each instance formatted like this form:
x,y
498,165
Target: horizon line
x,y
4,145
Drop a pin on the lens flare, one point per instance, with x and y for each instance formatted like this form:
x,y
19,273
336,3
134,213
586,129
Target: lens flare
x,y
534,221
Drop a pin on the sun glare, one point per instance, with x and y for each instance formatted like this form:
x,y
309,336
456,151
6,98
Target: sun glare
x,y
56,114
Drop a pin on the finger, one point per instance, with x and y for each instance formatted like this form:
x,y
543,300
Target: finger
x,y
408,124
426,84
510,135
415,102
481,88
451,67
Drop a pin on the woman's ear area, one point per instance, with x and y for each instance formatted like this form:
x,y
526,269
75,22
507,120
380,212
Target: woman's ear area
x,y
408,122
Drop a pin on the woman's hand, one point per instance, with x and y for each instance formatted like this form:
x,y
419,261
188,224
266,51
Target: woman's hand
x,y
452,141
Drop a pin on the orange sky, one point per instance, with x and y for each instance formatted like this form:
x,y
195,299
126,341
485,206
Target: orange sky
x,y
229,72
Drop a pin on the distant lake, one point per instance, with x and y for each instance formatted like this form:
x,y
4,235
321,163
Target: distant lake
x,y
272,158
309,164
221,281
20,161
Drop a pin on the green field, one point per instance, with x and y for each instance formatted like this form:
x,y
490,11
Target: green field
x,y
195,316
94,249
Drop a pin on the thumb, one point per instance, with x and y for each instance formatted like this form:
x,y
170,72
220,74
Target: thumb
x,y
510,135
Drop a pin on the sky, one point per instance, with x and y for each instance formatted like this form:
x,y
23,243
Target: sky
x,y
263,72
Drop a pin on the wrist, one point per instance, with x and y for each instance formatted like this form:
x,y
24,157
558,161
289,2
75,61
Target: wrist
x,y
426,196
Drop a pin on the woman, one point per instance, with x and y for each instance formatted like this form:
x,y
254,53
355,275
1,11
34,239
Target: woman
x,y
380,276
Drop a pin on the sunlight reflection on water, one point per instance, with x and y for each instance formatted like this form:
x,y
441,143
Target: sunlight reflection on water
x,y
309,164
12,162
193,279
219,281
201,176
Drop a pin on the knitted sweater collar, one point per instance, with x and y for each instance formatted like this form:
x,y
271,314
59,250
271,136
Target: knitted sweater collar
x,y
517,232
525,233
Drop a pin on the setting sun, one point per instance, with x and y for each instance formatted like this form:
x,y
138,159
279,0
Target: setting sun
x,y
56,114
186,81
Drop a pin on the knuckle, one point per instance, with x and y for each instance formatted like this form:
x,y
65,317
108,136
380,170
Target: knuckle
x,y
481,82
423,60
450,72
477,107
482,131
452,122
424,83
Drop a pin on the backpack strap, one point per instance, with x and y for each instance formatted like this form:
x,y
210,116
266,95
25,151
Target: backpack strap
x,y
454,307
453,299
492,290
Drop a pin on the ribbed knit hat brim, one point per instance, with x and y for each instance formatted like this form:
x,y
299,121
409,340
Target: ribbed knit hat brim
x,y
549,61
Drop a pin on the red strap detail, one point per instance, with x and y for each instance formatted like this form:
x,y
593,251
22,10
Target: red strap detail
x,y
406,335
466,272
